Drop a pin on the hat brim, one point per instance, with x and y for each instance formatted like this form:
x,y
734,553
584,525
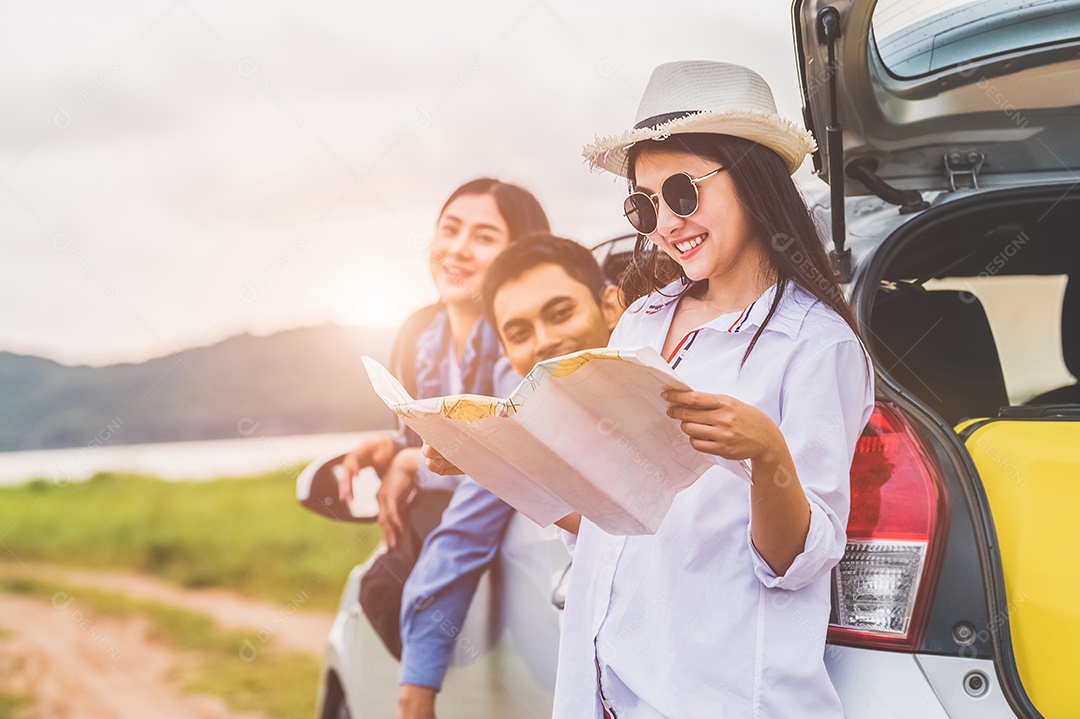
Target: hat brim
x,y
784,137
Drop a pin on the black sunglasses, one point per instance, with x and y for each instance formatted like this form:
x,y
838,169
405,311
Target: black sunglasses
x,y
680,194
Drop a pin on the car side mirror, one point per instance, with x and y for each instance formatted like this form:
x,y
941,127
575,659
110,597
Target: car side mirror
x,y
317,490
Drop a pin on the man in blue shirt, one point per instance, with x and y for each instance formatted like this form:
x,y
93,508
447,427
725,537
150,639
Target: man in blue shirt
x,y
546,297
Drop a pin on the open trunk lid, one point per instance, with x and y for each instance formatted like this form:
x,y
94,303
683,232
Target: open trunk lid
x,y
1030,470
946,94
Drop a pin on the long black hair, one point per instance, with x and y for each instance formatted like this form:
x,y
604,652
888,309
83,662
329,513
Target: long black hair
x,y
519,208
779,221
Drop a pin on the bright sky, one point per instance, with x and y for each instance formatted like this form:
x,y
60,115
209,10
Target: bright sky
x,y
173,172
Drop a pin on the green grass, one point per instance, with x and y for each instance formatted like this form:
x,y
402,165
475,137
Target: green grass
x,y
248,535
14,706
276,682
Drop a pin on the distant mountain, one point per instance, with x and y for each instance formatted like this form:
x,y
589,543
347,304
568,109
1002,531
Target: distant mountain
x,y
299,381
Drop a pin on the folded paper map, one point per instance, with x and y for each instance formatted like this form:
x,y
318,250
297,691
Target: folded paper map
x,y
585,432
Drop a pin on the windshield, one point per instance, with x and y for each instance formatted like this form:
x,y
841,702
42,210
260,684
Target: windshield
x,y
918,37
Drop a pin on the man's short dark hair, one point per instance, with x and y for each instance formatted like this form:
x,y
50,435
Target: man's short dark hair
x,y
542,249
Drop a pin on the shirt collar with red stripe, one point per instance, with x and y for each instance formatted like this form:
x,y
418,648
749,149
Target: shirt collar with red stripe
x,y
788,317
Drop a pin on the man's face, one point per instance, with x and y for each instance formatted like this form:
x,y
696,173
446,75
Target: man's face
x,y
546,313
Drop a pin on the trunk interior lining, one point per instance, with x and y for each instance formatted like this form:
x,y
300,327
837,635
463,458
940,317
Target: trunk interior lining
x,y
937,343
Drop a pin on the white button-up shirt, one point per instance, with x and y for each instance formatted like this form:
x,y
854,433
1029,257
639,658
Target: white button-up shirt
x,y
691,622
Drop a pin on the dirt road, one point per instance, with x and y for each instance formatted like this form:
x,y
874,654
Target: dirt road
x,y
78,665
292,626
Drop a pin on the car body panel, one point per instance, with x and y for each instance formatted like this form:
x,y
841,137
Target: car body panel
x,y
504,656
1016,111
877,684
950,678
531,563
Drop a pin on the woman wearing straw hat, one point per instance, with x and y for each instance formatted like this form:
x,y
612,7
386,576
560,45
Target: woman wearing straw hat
x,y
723,612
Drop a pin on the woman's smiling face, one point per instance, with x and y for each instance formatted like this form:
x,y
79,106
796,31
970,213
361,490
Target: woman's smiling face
x,y
470,234
717,239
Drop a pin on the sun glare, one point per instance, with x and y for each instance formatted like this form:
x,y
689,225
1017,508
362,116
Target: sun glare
x,y
380,297
377,309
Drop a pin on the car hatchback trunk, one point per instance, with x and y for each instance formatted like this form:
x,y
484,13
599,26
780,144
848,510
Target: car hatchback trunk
x,y
958,289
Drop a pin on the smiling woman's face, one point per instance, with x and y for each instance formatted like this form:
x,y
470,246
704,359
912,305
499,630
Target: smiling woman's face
x,y
717,239
469,236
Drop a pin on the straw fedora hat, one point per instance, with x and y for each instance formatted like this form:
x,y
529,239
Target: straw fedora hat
x,y
701,96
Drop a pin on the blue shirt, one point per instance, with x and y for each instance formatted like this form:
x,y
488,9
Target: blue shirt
x,y
440,588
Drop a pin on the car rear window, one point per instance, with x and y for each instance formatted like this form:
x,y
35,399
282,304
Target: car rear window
x,y
919,37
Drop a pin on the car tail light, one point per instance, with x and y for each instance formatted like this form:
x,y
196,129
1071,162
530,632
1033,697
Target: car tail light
x,y
899,507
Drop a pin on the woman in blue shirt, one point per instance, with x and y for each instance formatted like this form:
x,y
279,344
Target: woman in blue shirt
x,y
447,348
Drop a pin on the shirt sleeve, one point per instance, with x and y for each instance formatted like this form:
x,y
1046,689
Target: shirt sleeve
x,y
440,588
825,402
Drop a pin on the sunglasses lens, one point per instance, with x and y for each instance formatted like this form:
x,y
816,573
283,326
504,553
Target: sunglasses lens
x,y
641,213
680,194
